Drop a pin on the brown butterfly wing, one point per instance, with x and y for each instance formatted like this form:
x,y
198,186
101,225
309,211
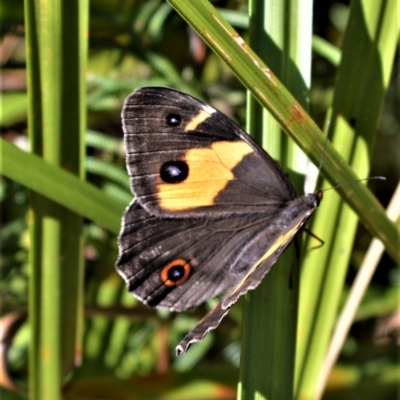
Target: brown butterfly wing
x,y
187,159
290,221
208,257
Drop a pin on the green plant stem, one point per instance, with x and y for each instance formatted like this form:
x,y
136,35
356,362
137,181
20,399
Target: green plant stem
x,y
60,186
56,59
368,51
270,312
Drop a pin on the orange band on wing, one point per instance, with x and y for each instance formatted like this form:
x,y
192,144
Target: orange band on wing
x,y
210,170
199,118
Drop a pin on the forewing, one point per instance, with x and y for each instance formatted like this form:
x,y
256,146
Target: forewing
x,y
169,135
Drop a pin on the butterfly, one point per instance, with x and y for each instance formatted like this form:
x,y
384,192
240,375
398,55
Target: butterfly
x,y
212,210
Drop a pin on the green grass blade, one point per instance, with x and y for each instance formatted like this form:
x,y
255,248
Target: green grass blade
x,y
358,290
270,312
56,60
60,186
358,98
102,168
35,125
321,46
327,50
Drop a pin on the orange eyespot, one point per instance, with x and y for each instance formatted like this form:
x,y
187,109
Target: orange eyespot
x,y
175,273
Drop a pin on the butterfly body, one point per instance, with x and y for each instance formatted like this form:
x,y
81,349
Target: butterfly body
x,y
213,211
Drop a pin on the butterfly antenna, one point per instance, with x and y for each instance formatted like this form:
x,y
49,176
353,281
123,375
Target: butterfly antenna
x,y
371,178
382,178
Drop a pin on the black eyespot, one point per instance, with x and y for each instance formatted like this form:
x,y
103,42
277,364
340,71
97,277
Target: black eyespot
x,y
176,273
174,171
174,119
